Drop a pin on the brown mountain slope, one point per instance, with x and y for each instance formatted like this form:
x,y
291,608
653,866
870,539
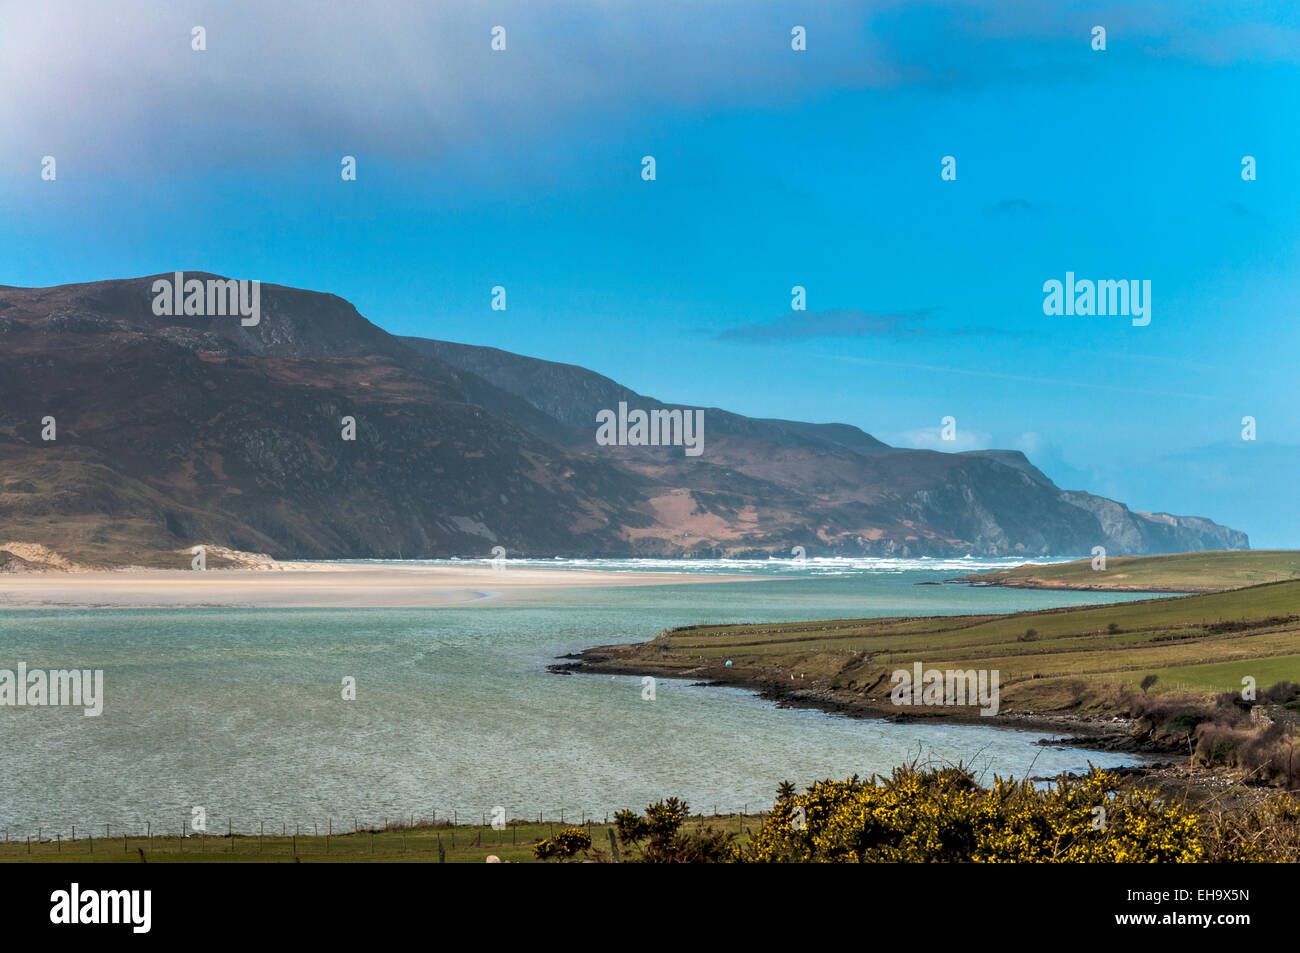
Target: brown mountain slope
x,y
172,431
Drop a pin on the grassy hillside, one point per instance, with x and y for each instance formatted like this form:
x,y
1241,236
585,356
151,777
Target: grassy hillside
x,y
1060,660
1180,572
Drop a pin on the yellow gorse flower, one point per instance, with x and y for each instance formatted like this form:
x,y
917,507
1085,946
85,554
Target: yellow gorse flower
x,y
944,815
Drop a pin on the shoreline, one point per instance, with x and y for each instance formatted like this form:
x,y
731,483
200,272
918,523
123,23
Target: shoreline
x,y
314,585
1164,770
1095,733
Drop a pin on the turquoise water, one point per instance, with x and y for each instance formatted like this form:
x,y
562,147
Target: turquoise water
x,y
240,711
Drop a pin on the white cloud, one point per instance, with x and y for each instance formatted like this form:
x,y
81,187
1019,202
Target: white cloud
x,y
402,78
1031,444
931,438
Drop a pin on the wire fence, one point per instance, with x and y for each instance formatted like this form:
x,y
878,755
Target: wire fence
x,y
223,827
431,837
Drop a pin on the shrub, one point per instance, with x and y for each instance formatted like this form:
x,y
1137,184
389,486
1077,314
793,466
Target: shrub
x,y
1265,832
1281,694
659,839
944,815
1222,733
1031,635
1269,754
565,844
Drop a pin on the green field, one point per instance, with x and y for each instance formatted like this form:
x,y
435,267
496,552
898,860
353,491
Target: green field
x,y
465,844
1055,660
1180,572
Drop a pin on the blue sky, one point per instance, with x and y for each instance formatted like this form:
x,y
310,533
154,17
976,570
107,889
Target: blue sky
x,y
775,168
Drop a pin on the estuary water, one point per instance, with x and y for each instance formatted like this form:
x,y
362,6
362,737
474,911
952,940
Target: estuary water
x,y
240,711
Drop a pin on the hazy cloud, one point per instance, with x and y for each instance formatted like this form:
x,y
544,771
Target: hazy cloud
x,y
411,79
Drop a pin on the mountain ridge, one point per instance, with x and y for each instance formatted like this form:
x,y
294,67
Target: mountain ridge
x,y
180,430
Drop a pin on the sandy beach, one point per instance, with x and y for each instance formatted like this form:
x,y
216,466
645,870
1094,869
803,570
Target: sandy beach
x,y
318,585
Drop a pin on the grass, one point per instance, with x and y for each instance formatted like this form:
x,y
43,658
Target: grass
x,y
472,845
1072,659
1180,572
1212,677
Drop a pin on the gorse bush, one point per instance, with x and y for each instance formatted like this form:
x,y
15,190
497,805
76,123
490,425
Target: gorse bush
x,y
658,838
944,816
926,816
565,844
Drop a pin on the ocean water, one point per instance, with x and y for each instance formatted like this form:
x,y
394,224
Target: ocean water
x,y
240,711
